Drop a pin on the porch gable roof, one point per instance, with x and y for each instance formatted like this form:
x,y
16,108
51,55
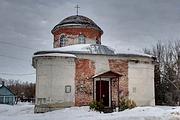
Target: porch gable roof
x,y
107,74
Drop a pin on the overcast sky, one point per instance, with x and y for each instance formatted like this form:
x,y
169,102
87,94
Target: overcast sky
x,y
25,27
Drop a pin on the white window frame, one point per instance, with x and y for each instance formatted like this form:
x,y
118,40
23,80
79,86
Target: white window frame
x,y
81,39
63,41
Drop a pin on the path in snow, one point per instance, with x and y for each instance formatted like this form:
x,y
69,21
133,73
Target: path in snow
x,y
25,112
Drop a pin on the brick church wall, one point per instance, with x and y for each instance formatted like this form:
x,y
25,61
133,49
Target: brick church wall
x,y
73,33
121,67
85,69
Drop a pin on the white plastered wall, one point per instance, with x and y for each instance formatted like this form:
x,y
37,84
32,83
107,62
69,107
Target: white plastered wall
x,y
141,83
53,74
101,62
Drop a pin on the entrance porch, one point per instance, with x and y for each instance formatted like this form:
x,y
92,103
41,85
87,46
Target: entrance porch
x,y
106,88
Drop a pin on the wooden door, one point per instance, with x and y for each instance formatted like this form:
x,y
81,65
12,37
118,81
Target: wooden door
x,y
102,92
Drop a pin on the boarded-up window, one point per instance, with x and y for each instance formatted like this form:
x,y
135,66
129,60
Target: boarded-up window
x,y
67,89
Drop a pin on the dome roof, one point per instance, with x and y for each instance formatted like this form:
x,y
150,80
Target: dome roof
x,y
77,20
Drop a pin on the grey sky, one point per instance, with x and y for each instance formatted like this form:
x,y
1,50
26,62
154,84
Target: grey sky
x,y
25,26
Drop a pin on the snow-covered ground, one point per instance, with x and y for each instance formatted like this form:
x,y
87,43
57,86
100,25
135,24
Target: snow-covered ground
x,y
25,112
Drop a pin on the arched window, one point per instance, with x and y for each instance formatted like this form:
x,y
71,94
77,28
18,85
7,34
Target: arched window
x,y
63,41
81,39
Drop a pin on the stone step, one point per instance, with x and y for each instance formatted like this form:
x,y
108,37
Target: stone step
x,y
107,110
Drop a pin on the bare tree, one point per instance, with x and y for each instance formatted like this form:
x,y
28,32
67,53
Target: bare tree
x,y
167,69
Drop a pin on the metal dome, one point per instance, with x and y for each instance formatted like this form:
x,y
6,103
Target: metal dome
x,y
77,20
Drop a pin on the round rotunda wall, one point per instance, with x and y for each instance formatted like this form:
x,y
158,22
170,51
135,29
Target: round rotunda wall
x,y
76,29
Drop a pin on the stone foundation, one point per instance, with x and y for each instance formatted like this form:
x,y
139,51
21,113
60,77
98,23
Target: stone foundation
x,y
51,106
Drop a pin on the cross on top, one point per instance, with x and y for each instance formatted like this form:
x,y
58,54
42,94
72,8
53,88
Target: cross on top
x,y
77,7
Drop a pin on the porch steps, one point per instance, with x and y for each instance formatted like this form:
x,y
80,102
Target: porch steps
x,y
108,110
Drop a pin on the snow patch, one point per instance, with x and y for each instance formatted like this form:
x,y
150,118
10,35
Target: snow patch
x,y
56,54
77,47
132,52
96,49
25,111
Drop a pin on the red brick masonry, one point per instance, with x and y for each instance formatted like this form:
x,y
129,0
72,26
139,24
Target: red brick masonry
x,y
121,67
85,69
75,32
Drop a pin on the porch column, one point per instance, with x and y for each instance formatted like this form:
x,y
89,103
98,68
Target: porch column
x,y
93,88
111,92
118,91
100,88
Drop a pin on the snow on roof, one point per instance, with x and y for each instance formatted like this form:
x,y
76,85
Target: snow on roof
x,y
83,48
93,49
88,48
77,47
56,54
132,52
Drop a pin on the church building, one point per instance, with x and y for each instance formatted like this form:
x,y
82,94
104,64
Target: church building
x,y
79,69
